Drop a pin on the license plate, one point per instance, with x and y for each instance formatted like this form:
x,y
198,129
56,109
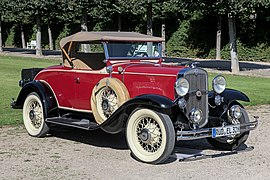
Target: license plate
x,y
225,131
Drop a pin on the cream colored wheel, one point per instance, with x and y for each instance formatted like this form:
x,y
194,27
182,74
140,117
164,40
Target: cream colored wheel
x,y
33,116
150,136
107,96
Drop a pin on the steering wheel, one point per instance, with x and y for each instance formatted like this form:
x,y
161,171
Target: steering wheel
x,y
140,54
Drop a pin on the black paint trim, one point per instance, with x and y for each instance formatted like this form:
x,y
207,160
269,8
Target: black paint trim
x,y
47,97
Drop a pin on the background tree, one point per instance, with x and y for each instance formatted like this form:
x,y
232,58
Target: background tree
x,y
2,14
15,11
50,17
40,11
189,27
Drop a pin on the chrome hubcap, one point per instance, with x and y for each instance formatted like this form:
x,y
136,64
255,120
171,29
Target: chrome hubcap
x,y
35,114
32,115
145,136
149,134
109,102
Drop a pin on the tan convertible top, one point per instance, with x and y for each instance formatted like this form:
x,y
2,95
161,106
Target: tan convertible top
x,y
108,36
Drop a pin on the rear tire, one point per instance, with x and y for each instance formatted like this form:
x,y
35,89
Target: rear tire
x,y
150,136
33,116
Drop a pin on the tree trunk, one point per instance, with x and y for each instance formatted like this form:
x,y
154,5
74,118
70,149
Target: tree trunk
x,y
163,33
218,44
85,47
149,19
1,41
22,37
149,28
119,20
84,22
233,48
50,37
38,38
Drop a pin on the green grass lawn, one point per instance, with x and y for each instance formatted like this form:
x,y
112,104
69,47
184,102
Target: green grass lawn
x,y
257,89
10,73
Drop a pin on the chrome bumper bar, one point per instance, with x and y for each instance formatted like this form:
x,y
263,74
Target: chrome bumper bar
x,y
207,132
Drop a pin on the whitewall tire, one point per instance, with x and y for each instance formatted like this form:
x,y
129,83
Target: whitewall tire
x,y
33,116
150,136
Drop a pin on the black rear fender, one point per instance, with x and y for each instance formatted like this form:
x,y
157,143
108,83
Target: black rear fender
x,y
46,95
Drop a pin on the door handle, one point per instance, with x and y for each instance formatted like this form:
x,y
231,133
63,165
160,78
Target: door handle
x,y
77,80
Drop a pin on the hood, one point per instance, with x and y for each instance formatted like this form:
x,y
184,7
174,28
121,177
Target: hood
x,y
148,69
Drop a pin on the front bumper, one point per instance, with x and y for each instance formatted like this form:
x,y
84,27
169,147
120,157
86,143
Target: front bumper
x,y
207,132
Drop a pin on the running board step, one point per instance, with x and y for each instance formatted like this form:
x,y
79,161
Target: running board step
x,y
77,123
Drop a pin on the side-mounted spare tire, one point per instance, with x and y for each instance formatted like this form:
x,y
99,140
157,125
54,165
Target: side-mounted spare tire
x,y
107,96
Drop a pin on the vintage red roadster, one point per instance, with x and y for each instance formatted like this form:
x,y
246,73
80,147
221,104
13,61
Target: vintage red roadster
x,y
117,81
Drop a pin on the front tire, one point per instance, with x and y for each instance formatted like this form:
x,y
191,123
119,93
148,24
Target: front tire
x,y
150,136
231,143
33,116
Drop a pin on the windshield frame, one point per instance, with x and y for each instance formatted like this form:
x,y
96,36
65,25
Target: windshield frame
x,y
108,58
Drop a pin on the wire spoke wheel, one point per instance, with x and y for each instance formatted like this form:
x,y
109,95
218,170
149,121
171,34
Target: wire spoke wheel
x,y
107,96
107,102
33,116
150,135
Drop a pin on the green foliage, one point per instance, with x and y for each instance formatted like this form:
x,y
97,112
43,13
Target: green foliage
x,y
190,25
66,32
177,45
260,52
11,37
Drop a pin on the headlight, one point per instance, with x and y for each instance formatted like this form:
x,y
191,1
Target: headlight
x,y
235,112
181,86
195,115
219,84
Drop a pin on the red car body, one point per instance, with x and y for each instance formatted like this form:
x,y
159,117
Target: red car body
x,y
74,91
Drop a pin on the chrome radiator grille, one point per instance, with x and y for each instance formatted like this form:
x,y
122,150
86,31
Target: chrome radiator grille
x,y
198,83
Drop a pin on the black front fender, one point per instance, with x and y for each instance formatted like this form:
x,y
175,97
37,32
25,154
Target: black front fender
x,y
233,95
47,97
151,101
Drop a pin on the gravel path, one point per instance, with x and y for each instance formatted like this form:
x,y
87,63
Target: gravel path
x,y
77,154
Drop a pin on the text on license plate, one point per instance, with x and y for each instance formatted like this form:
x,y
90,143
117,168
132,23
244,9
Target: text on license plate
x,y
225,131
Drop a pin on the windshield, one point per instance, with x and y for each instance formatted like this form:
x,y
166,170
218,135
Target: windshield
x,y
133,49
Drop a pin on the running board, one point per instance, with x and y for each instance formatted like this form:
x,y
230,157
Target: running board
x,y
77,123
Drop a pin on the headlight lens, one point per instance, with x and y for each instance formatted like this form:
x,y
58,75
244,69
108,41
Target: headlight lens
x,y
181,86
195,115
219,84
235,112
